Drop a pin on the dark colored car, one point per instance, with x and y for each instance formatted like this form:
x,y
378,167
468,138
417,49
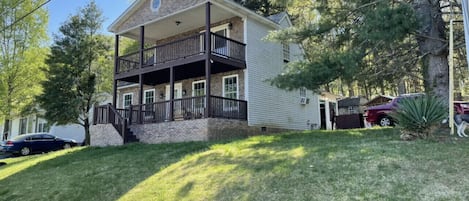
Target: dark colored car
x,y
36,143
379,114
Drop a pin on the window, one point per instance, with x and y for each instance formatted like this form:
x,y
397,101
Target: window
x,y
230,90
23,125
302,92
155,5
351,110
219,44
230,86
286,52
42,126
198,89
127,102
148,99
149,96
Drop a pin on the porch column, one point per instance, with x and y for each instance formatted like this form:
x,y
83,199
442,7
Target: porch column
x,y
116,70
208,54
140,75
171,93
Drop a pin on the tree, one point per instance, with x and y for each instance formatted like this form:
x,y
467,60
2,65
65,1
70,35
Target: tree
x,y
22,56
262,7
379,43
73,83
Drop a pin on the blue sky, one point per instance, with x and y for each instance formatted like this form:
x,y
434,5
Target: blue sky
x,y
60,10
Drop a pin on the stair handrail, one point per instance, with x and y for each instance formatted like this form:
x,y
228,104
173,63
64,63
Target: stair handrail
x,y
117,121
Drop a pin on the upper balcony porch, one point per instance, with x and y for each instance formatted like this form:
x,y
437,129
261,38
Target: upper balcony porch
x,y
178,41
227,54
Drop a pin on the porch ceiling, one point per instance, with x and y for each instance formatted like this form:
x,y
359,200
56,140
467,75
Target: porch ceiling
x,y
191,70
189,20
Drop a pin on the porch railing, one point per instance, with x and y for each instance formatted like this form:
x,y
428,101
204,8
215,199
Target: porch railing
x,y
183,48
183,109
108,114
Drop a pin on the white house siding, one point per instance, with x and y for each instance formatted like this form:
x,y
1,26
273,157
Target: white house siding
x,y
269,106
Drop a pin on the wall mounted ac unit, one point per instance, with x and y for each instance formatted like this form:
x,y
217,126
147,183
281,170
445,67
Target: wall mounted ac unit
x,y
304,100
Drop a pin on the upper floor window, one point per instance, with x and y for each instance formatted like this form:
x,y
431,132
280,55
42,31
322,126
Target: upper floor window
x,y
155,5
302,92
286,52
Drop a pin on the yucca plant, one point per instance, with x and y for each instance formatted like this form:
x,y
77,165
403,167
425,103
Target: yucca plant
x,y
419,116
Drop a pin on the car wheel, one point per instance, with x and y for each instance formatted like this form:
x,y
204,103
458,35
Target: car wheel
x,y
67,146
385,121
25,151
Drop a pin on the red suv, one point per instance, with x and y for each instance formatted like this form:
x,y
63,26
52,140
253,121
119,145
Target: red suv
x,y
378,115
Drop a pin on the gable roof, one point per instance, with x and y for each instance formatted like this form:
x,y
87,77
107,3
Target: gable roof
x,y
351,101
277,17
230,5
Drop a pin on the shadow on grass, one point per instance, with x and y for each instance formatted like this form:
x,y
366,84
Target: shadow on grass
x,y
92,173
262,167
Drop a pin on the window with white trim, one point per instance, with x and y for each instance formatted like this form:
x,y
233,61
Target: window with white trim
x,y
230,90
230,86
149,96
219,45
302,92
23,125
42,126
127,100
286,52
198,89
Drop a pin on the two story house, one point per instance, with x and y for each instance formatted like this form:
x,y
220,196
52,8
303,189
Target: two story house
x,y
201,73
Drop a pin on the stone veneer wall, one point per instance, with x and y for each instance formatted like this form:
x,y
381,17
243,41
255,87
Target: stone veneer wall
x,y
235,33
216,88
104,135
145,14
197,130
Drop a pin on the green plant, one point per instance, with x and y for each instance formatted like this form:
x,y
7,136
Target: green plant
x,y
418,116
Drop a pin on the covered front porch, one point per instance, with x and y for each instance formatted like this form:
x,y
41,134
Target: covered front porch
x,y
173,49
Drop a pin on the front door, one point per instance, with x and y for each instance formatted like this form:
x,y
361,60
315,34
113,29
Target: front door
x,y
177,104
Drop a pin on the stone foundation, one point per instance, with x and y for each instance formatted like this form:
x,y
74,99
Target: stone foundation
x,y
102,135
180,131
197,130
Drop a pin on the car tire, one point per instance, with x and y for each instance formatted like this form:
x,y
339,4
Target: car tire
x,y
385,121
67,146
25,151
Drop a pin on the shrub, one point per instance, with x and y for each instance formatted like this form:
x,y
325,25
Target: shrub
x,y
419,116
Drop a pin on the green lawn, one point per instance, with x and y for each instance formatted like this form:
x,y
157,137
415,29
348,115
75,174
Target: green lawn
x,y
320,165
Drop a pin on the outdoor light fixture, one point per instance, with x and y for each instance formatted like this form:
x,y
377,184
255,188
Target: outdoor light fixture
x,y
230,26
184,92
161,95
177,22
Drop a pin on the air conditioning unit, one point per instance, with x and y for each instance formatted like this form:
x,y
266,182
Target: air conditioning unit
x,y
304,100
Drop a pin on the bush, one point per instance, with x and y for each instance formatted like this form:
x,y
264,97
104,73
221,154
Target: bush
x,y
419,116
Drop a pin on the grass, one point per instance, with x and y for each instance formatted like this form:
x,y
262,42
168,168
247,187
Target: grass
x,y
319,165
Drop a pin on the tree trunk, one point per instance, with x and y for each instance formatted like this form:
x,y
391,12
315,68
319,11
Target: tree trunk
x,y
350,89
432,43
6,129
401,87
86,125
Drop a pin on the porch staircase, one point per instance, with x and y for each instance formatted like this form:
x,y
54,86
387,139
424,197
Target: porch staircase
x,y
129,136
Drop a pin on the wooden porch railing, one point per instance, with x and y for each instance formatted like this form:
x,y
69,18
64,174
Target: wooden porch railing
x,y
108,114
183,109
181,49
